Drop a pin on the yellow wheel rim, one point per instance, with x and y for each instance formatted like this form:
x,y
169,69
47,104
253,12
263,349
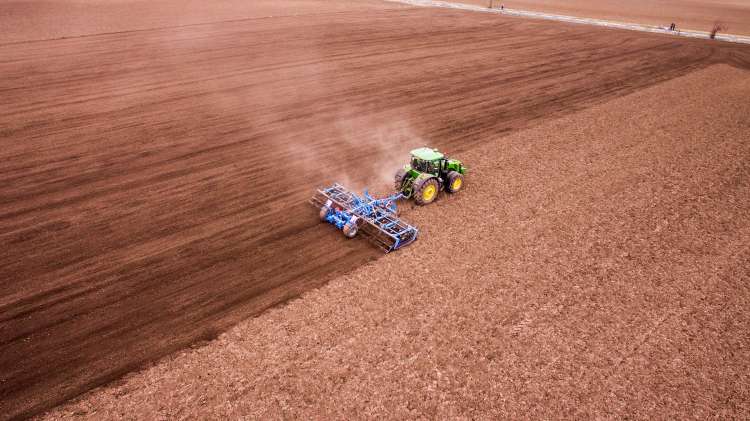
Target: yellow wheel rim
x,y
456,184
429,193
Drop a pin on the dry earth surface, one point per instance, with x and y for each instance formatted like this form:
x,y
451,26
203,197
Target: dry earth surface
x,y
596,266
27,20
698,15
153,182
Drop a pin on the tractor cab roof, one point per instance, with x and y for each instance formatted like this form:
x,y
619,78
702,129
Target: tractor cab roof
x,y
427,154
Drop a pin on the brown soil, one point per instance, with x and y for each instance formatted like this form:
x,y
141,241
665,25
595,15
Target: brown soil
x,y
154,182
697,15
595,267
27,20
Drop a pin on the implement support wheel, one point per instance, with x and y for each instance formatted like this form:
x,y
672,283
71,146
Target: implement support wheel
x,y
324,212
350,229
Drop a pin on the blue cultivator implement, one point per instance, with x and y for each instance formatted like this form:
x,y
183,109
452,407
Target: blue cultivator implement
x,y
375,218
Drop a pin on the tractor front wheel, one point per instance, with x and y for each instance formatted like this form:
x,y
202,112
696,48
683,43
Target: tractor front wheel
x,y
455,182
426,192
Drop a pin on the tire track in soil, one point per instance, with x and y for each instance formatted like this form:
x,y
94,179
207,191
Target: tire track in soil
x,y
154,183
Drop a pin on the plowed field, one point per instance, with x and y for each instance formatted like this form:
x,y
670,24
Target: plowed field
x,y
597,268
153,182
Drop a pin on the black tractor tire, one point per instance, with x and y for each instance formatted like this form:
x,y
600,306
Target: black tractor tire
x,y
398,180
455,182
324,212
350,229
426,191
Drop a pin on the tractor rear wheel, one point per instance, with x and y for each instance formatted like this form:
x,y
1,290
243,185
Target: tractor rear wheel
x,y
398,181
426,192
455,182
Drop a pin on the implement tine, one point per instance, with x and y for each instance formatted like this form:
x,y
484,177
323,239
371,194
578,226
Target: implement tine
x,y
376,218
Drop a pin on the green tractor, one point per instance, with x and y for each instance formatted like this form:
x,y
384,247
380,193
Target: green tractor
x,y
427,174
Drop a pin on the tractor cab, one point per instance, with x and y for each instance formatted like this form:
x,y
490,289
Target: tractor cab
x,y
426,160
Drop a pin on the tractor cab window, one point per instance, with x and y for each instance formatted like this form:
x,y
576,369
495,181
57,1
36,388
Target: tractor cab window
x,y
417,164
423,166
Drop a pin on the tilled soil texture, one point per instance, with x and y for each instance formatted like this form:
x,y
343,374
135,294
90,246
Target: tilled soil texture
x,y
154,183
700,15
27,20
595,267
